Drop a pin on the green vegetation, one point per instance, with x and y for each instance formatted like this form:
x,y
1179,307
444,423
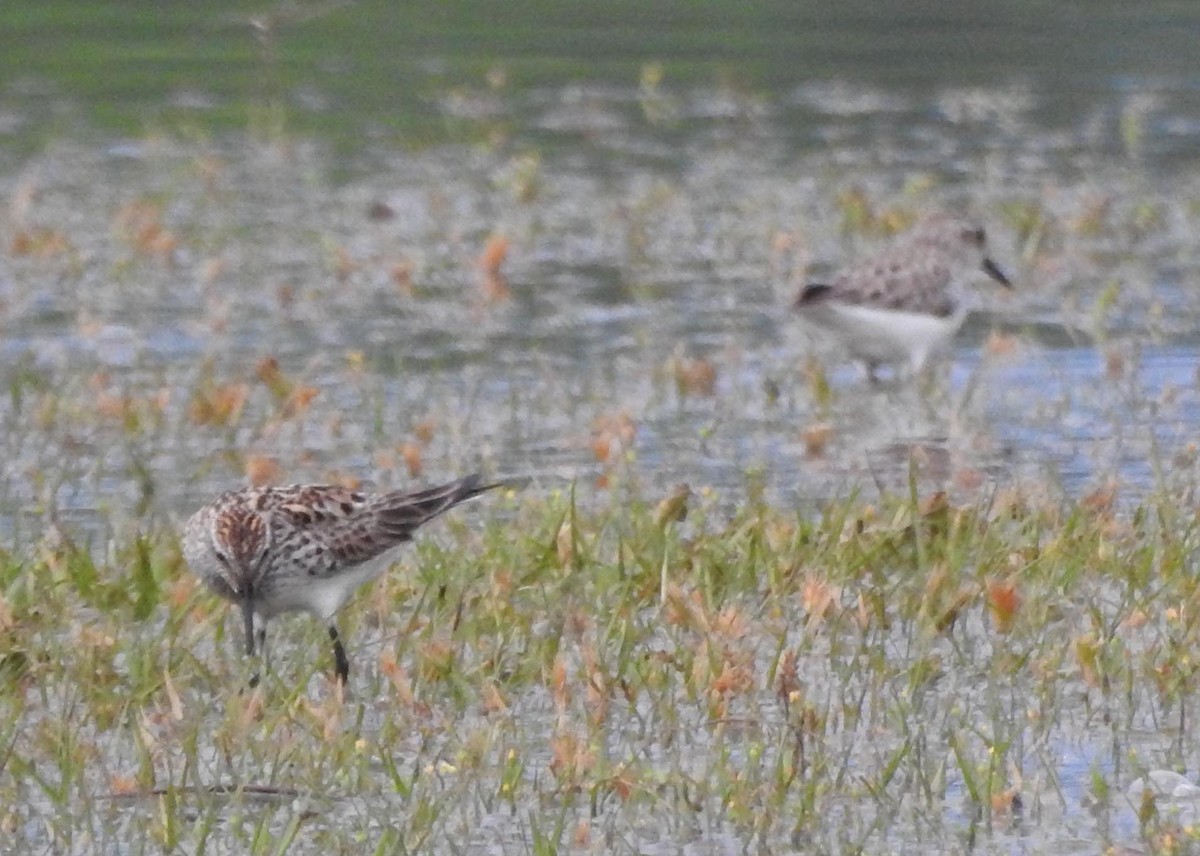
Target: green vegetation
x,y
832,680
614,666
335,242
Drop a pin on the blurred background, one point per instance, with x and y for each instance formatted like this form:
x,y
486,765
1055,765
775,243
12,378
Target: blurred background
x,y
376,242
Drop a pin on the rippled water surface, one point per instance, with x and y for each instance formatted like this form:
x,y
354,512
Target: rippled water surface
x,y
635,281
378,244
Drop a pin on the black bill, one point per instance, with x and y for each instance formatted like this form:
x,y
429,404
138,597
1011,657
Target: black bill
x,y
993,270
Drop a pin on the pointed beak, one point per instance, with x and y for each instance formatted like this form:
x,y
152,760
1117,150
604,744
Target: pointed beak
x,y
248,620
993,270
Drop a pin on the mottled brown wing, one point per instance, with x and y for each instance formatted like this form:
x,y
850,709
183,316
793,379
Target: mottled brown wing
x,y
310,505
401,512
908,278
335,529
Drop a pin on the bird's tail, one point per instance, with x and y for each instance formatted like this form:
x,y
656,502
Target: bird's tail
x,y
404,511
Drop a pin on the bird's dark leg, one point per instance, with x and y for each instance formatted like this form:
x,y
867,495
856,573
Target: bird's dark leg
x,y
341,665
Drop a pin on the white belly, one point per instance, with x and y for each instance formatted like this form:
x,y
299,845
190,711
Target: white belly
x,y
886,335
320,596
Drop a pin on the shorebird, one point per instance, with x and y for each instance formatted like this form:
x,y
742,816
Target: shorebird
x,y
306,548
907,301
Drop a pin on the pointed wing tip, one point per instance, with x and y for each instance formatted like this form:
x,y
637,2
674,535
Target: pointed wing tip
x,y
811,293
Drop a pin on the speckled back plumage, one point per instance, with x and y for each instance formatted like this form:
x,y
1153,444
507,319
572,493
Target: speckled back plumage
x,y
915,274
306,547
245,539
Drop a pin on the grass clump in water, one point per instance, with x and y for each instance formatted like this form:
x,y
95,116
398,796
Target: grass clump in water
x,y
654,669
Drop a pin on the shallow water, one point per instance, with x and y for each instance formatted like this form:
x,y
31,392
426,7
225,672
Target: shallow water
x,y
613,286
186,201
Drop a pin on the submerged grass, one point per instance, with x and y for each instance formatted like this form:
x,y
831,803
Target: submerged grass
x,y
628,676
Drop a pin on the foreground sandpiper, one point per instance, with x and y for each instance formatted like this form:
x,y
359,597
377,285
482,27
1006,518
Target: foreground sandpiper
x,y
306,547
906,302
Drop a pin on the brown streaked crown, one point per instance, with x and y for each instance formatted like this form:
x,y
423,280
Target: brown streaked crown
x,y
240,541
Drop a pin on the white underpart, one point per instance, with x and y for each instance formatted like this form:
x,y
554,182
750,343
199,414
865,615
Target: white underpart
x,y
887,336
322,597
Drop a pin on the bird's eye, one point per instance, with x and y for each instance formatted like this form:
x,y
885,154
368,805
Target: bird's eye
x,y
980,237
221,555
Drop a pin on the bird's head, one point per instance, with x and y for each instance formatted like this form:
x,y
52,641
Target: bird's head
x,y
962,240
239,541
